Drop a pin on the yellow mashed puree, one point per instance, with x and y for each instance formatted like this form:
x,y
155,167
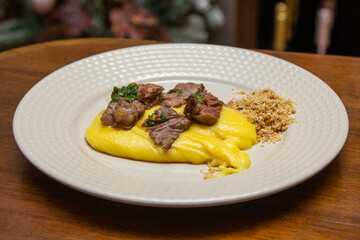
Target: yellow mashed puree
x,y
220,145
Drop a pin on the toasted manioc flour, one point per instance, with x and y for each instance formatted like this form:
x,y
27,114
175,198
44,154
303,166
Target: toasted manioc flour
x,y
220,145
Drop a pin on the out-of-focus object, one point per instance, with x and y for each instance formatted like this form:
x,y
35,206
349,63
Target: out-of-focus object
x,y
17,31
215,17
29,21
286,17
323,26
292,17
128,20
280,26
73,17
194,30
42,7
187,20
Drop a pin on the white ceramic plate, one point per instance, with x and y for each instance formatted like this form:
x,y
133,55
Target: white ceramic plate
x,y
51,119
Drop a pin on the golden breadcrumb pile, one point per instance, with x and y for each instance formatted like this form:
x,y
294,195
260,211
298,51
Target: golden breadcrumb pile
x,y
269,112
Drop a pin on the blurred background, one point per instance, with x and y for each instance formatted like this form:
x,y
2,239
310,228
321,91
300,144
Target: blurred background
x,y
314,26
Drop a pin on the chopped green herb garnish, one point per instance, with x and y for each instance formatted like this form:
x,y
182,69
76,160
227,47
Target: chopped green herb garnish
x,y
200,98
152,117
150,123
153,120
163,117
177,91
128,93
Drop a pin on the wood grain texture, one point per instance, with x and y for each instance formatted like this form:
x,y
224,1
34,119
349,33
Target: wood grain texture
x,y
33,206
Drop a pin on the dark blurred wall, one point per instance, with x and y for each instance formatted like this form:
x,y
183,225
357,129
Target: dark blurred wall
x,y
346,31
345,35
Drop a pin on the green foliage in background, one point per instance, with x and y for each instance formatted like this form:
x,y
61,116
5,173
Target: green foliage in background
x,y
98,11
168,12
184,20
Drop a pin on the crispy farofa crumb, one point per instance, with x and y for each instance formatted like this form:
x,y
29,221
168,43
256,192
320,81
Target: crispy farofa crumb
x,y
269,112
209,173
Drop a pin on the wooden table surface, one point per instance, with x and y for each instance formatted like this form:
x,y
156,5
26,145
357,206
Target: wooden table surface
x,y
33,206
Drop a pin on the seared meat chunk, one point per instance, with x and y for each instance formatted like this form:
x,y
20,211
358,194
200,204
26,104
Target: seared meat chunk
x,y
165,126
148,90
189,88
204,108
178,95
123,114
172,100
149,94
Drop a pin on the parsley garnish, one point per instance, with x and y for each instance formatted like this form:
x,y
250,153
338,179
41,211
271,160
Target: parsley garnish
x,y
177,91
163,117
150,122
200,98
127,93
153,120
152,117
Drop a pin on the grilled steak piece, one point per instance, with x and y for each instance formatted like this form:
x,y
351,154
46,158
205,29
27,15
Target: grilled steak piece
x,y
149,94
189,88
172,100
204,108
165,126
122,114
178,95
